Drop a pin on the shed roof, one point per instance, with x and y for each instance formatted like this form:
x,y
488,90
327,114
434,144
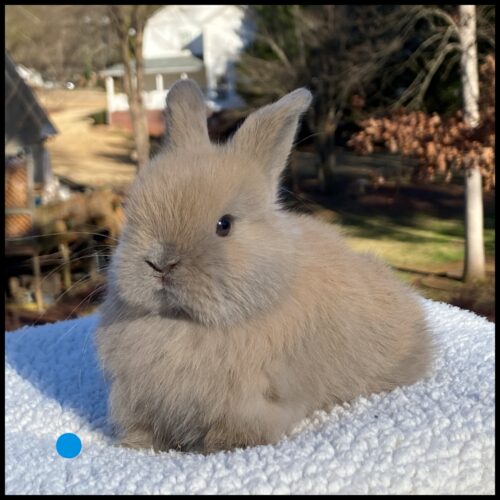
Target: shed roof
x,y
175,64
26,123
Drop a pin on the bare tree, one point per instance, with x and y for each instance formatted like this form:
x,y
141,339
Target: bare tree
x,y
464,141
474,245
75,38
456,35
438,50
128,22
335,50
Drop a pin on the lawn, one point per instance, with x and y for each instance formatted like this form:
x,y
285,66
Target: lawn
x,y
423,242
419,232
425,251
428,254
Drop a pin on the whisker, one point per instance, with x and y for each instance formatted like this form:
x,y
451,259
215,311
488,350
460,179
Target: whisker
x,y
65,233
82,280
305,138
309,204
91,294
70,261
42,314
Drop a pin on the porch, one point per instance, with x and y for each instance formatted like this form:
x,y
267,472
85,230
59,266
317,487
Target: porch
x,y
159,75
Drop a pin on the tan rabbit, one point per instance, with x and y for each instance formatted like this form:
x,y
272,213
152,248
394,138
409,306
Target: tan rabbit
x,y
227,319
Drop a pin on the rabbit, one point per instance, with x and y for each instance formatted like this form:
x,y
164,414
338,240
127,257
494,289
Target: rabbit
x,y
227,319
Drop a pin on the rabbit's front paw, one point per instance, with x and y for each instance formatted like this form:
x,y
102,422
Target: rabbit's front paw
x,y
138,438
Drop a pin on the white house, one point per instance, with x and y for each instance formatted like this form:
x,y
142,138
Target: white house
x,y
31,76
201,42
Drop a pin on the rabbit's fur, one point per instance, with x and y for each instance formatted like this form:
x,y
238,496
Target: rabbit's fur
x,y
256,329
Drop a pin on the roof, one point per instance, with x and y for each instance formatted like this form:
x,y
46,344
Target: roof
x,y
188,14
26,123
175,64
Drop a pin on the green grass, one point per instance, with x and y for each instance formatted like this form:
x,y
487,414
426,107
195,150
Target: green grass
x,y
426,244
422,235
420,242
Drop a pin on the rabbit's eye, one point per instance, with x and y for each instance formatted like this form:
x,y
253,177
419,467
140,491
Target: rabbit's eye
x,y
224,225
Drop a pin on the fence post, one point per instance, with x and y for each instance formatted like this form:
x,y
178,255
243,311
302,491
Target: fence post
x,y
63,248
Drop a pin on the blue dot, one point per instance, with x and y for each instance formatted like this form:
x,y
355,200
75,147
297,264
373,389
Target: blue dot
x,y
68,445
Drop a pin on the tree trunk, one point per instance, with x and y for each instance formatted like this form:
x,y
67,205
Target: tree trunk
x,y
325,147
134,76
139,114
140,129
474,267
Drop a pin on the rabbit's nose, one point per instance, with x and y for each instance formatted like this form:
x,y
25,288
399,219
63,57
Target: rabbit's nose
x,y
164,269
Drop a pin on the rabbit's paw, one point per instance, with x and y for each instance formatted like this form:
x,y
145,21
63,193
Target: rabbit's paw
x,y
138,438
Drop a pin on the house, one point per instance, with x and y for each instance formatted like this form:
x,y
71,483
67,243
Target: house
x,y
31,76
201,42
27,163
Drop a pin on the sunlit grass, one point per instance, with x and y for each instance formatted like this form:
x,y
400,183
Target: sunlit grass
x,y
400,253
425,241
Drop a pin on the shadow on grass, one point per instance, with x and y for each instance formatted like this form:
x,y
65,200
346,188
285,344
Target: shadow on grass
x,y
118,157
391,219
368,228
428,273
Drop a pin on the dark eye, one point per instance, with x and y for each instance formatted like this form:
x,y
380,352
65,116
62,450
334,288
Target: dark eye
x,y
224,225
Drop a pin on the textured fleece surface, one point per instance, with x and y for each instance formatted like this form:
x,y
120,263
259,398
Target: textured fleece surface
x,y
436,436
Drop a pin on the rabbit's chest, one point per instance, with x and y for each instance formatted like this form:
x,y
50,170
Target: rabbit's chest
x,y
181,362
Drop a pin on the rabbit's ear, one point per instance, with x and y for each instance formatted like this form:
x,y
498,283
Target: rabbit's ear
x,y
186,115
268,133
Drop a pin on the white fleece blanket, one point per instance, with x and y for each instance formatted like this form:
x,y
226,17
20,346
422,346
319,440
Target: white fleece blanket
x,y
435,437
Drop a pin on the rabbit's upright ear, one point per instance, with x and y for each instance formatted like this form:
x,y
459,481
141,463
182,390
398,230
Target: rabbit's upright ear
x,y
268,133
186,115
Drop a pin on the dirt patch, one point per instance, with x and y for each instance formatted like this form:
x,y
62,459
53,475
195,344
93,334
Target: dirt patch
x,y
443,282
95,155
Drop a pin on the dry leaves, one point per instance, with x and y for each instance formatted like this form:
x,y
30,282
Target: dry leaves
x,y
441,145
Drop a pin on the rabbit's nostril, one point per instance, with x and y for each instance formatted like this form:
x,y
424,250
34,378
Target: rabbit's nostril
x,y
153,266
171,264
167,268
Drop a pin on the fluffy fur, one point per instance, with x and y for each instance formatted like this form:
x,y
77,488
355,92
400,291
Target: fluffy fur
x,y
255,330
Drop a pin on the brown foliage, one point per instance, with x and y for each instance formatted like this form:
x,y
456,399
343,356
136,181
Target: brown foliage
x,y
442,145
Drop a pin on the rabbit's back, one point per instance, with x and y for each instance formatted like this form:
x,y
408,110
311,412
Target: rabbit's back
x,y
359,329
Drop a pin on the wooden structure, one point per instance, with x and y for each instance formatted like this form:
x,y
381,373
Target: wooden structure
x,y
27,162
27,166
